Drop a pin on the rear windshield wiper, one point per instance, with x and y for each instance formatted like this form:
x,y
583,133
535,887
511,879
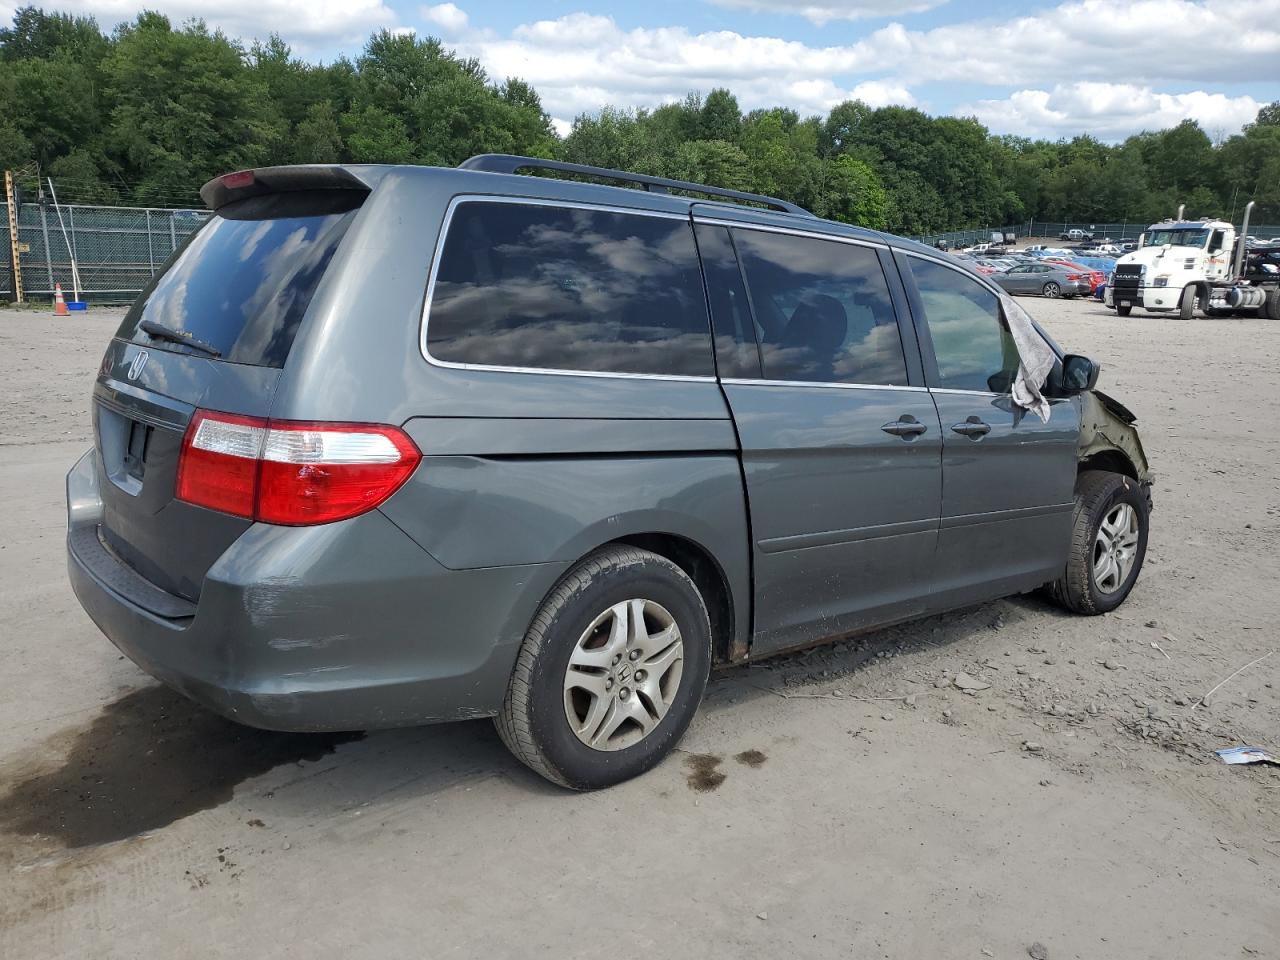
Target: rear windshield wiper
x,y
161,332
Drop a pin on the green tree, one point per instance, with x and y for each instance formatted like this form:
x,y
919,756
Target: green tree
x,y
186,107
851,192
714,162
721,116
317,137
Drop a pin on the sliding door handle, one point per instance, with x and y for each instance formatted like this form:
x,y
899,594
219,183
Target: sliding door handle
x,y
907,427
973,428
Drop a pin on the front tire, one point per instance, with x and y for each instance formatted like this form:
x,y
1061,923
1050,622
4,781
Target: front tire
x,y
611,671
1108,543
1124,311
1187,303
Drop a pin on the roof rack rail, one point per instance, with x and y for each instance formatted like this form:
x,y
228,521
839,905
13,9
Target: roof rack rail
x,y
508,163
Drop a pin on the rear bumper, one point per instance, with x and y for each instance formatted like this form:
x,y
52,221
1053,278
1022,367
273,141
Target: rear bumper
x,y
346,626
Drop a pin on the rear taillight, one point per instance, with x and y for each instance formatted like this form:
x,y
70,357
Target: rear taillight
x,y
290,472
1073,276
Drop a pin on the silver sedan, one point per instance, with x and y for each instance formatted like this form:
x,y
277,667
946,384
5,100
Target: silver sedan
x,y
1043,279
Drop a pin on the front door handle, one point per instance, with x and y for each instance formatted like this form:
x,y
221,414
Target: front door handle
x,y
973,428
905,426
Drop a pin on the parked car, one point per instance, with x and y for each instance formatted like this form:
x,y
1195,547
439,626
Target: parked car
x,y
1044,279
1075,234
384,446
1093,275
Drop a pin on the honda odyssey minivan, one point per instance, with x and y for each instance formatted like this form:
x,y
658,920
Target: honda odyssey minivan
x,y
388,445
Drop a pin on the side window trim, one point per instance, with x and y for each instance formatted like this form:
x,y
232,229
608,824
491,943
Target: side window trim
x,y
911,349
438,252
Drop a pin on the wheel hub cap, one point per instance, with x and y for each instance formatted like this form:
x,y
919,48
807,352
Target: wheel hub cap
x,y
1115,549
623,674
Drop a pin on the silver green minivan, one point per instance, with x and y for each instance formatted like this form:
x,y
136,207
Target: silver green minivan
x,y
393,445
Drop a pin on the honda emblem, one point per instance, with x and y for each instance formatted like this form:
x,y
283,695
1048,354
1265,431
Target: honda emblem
x,y
138,364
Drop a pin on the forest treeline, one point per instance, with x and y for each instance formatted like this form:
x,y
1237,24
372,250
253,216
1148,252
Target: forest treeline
x,y
148,113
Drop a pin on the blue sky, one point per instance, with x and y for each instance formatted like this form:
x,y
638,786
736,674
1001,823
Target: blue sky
x,y
1036,68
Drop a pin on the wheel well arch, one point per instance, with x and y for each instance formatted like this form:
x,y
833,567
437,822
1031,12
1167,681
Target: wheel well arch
x,y
1111,460
706,573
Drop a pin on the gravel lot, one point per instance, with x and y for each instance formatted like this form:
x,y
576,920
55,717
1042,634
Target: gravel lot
x,y
800,819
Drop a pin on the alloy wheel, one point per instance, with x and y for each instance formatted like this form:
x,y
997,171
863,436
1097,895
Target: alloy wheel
x,y
1115,549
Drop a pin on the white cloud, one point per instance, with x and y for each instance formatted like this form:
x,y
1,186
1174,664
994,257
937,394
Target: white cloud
x,y
305,24
447,17
1110,111
581,62
824,12
1145,41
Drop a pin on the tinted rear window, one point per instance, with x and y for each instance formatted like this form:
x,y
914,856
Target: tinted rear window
x,y
244,280
563,288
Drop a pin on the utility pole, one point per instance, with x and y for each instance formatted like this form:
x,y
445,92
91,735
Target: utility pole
x,y
15,266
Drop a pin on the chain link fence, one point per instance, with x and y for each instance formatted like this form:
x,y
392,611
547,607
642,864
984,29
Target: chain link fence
x,y
117,250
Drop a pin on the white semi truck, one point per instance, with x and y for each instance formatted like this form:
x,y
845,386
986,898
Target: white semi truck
x,y
1183,265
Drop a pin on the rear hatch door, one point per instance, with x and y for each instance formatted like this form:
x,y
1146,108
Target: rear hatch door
x,y
213,331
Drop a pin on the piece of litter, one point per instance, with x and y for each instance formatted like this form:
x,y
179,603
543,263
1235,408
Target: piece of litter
x,y
1038,951
762,915
1245,755
1156,646
965,682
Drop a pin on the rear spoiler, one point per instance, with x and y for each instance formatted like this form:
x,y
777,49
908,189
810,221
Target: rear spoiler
x,y
243,184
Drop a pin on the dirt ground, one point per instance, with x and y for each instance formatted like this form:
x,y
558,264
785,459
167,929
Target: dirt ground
x,y
847,803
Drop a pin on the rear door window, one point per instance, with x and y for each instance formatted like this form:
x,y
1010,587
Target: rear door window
x,y
244,280
822,310
548,287
971,341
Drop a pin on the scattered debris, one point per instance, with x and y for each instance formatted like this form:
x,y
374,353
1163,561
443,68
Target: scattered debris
x,y
762,915
1038,951
1205,699
1245,755
1032,747
1111,665
963,681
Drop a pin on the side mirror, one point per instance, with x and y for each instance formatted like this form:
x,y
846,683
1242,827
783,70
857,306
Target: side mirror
x,y
1078,374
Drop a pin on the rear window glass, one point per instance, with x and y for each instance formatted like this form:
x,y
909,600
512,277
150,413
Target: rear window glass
x,y
243,281
564,288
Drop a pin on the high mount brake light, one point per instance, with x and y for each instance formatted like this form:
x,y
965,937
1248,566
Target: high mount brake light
x,y
233,181
292,473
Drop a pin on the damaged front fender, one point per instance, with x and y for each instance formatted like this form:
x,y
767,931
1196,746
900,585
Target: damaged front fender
x,y
1106,429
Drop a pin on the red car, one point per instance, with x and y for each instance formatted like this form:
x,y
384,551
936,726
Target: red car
x,y
1096,277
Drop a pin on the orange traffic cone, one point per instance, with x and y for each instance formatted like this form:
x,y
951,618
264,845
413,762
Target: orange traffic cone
x,y
59,305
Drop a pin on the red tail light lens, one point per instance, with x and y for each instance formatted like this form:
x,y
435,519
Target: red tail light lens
x,y
289,472
1073,276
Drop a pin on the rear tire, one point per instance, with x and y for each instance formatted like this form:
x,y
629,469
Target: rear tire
x,y
1187,303
1051,290
1103,565
585,715
1124,311
1271,306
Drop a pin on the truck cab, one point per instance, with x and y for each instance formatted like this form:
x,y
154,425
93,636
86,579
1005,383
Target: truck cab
x,y
1176,264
